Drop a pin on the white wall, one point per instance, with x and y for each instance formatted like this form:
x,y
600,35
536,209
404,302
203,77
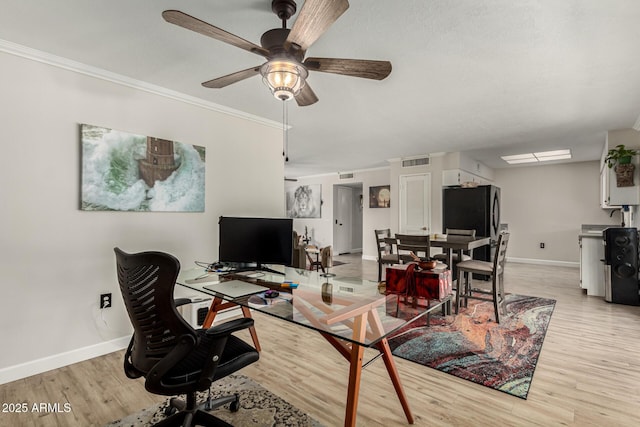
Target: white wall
x,y
549,204
321,229
56,259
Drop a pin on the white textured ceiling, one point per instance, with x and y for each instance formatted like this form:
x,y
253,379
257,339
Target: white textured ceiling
x,y
491,77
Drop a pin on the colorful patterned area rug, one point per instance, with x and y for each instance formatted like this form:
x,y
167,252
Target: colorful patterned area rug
x,y
473,347
258,407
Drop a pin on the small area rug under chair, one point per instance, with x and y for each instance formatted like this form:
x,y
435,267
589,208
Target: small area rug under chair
x,y
473,347
258,407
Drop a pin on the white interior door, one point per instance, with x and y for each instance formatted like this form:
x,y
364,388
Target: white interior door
x,y
415,209
342,220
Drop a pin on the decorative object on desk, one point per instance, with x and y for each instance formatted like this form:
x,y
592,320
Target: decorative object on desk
x,y
473,347
620,158
380,196
304,201
127,172
326,261
259,407
327,293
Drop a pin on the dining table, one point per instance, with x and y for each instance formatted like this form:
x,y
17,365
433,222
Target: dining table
x,y
459,244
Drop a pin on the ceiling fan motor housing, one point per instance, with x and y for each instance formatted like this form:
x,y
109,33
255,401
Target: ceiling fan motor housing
x,y
285,9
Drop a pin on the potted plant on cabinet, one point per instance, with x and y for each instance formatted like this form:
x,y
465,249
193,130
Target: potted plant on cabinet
x,y
620,158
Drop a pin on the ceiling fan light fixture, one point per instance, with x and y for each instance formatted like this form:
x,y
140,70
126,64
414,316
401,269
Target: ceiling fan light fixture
x,y
285,78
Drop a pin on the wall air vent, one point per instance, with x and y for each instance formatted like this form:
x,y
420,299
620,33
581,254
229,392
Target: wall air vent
x,y
346,175
415,162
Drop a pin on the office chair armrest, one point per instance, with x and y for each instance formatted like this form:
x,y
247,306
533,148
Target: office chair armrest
x,y
181,301
220,333
227,328
154,377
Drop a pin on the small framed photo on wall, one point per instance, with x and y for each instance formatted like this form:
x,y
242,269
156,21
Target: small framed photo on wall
x,y
380,196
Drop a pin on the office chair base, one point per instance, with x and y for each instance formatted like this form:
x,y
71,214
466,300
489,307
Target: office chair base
x,y
196,418
179,415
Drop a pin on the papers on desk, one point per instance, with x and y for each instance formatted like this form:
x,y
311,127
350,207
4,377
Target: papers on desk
x,y
199,276
235,288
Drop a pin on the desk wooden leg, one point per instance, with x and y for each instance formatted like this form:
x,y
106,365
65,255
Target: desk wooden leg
x,y
384,348
211,314
219,304
252,329
355,370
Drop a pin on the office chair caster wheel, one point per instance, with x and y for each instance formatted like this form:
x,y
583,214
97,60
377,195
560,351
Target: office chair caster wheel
x,y
235,405
170,410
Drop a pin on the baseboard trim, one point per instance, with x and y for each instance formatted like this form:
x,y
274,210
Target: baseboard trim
x,y
55,361
544,262
38,366
520,260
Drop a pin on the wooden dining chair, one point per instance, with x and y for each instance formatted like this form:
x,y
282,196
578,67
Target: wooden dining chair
x,y
385,247
493,269
419,245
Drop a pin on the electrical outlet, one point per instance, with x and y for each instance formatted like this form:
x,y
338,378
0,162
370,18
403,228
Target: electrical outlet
x,y
105,300
541,245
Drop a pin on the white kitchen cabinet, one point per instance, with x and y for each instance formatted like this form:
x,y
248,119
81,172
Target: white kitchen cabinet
x,y
459,176
591,266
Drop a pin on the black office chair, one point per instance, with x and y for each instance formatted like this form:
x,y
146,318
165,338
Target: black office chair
x,y
173,357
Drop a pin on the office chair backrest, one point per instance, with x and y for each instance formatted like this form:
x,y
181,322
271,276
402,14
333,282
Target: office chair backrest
x,y
147,282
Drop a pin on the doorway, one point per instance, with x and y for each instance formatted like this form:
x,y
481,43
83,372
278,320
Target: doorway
x,y
347,218
415,206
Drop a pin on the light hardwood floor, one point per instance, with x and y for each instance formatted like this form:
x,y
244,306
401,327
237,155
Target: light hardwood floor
x,y
588,373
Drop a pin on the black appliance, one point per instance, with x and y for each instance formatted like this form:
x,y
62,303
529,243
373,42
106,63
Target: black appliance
x,y
476,208
621,262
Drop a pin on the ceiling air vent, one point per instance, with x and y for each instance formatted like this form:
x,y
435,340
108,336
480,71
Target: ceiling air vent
x,y
346,175
415,162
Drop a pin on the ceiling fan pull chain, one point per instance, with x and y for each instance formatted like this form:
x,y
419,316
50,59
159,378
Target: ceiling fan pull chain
x,y
285,134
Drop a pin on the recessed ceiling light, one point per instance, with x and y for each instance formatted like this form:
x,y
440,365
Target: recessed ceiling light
x,y
542,156
558,157
552,153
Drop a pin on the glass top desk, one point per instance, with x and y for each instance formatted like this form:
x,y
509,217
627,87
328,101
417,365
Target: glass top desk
x,y
349,313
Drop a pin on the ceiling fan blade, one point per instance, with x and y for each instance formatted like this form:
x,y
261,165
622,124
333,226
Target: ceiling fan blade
x,y
315,17
306,96
364,68
183,20
223,81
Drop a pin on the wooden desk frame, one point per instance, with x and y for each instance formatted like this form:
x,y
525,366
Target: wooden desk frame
x,y
362,318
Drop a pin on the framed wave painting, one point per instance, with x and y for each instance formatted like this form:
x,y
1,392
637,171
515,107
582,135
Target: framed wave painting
x,y
128,172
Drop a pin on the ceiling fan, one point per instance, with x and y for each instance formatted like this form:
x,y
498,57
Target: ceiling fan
x,y
286,69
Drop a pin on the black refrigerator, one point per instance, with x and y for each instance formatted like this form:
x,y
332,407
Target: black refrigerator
x,y
476,208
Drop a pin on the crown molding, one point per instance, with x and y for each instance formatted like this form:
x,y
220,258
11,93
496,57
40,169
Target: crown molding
x,y
78,67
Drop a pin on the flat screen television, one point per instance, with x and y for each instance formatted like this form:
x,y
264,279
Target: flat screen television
x,y
255,241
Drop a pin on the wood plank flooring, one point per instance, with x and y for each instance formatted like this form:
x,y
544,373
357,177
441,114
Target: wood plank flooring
x,y
588,373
